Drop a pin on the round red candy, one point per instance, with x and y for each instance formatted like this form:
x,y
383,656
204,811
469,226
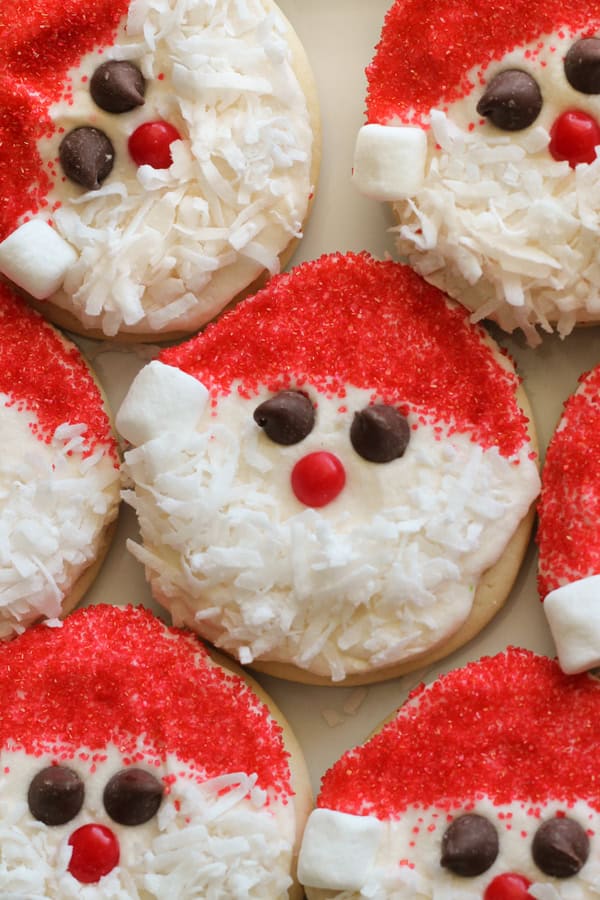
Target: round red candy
x,y
508,886
574,137
95,853
150,144
318,478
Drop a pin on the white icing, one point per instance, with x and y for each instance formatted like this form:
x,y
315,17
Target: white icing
x,y
36,258
389,162
407,864
382,573
498,223
222,838
55,502
167,249
573,614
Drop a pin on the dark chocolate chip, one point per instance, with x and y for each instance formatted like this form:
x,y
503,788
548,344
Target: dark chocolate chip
x,y
560,847
117,86
582,66
87,156
512,100
469,845
379,433
132,796
286,418
55,795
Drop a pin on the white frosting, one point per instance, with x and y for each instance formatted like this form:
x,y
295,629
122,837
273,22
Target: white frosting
x,y
498,223
161,250
573,614
55,503
389,162
407,862
36,258
222,838
384,572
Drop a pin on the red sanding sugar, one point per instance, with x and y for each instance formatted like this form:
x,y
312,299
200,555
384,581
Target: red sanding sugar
x,y
428,48
117,674
509,727
347,319
40,40
49,378
569,511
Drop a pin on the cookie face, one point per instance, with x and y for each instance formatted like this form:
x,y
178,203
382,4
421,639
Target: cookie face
x,y
164,153
309,490
59,470
109,790
467,792
494,115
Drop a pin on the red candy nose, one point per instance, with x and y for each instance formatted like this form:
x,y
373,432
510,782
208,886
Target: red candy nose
x,y
508,886
574,137
95,853
318,478
150,144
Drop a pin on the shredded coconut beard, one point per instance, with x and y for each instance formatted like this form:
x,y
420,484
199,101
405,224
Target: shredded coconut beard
x,y
223,838
505,229
383,573
56,501
166,249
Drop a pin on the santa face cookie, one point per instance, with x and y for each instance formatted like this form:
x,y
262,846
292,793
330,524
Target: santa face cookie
x,y
135,766
481,787
483,121
59,470
323,477
158,157
567,536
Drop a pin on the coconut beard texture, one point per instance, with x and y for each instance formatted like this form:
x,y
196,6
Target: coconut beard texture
x,y
383,573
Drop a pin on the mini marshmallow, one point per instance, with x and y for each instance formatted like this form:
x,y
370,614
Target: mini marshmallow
x,y
161,398
36,258
338,850
389,161
573,613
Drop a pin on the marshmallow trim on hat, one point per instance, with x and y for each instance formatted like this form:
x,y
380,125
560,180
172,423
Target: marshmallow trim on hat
x,y
573,614
338,850
389,161
36,258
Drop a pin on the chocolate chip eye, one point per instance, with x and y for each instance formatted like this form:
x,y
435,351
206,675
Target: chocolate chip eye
x,y
86,156
286,418
512,100
560,847
469,845
132,796
379,433
117,86
55,795
582,66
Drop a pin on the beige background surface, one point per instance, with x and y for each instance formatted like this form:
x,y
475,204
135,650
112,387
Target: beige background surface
x,y
339,36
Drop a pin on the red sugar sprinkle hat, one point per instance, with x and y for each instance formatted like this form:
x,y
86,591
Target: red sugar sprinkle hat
x,y
429,47
569,509
350,320
118,674
497,728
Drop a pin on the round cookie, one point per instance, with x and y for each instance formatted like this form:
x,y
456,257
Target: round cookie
x,y
482,124
482,787
568,540
135,765
159,157
59,470
334,481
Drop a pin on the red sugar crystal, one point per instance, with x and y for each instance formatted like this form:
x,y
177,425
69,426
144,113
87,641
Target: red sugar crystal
x,y
48,378
510,727
429,47
569,508
118,674
351,320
